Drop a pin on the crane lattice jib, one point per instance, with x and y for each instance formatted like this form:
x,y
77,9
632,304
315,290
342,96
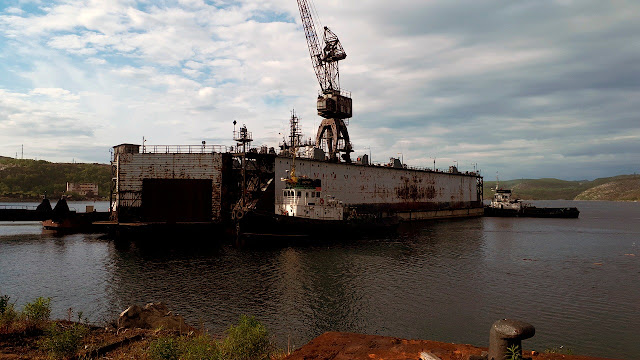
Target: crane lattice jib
x,y
314,44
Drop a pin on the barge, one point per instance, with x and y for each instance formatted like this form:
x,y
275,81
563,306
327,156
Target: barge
x,y
503,205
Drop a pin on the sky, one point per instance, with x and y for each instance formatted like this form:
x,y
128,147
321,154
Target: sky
x,y
526,89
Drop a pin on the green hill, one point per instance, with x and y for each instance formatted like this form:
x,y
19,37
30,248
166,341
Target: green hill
x,y
617,188
29,179
622,188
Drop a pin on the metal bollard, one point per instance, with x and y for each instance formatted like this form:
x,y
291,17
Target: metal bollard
x,y
506,333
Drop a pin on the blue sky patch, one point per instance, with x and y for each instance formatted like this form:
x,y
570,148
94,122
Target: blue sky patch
x,y
269,16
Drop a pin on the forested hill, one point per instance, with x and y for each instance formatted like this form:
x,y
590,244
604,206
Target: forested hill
x,y
617,188
28,179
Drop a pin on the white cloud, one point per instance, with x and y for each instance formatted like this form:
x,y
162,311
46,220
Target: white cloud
x,y
53,92
467,81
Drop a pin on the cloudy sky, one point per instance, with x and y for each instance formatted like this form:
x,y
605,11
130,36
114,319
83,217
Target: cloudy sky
x,y
527,88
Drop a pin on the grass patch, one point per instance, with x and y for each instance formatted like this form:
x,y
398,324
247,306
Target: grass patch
x,y
559,350
164,348
201,347
37,313
8,314
248,340
63,341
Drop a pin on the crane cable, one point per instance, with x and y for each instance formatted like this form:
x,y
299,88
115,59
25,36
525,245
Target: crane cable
x,y
316,18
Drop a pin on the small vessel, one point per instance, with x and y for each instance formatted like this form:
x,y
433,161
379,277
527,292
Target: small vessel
x,y
303,198
303,210
63,219
504,205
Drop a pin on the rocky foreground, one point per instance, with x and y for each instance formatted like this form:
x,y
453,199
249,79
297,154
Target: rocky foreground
x,y
153,332
348,346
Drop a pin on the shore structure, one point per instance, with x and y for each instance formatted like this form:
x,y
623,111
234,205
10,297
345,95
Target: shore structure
x,y
208,185
219,186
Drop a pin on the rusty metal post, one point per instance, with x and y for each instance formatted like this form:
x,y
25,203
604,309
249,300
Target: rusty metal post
x,y
506,333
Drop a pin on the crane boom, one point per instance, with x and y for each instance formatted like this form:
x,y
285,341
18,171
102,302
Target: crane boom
x,y
324,58
315,51
333,105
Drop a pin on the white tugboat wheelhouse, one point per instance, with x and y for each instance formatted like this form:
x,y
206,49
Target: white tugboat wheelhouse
x,y
303,198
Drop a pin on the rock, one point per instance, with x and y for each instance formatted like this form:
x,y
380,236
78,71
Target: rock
x,y
152,316
478,357
428,356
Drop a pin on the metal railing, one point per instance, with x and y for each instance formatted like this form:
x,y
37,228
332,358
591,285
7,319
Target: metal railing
x,y
18,207
184,149
424,168
342,92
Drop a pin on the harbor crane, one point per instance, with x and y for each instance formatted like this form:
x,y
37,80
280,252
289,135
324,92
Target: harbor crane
x,y
334,105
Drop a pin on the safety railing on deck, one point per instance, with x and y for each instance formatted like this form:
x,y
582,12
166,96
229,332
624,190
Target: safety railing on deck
x,y
184,149
18,207
427,169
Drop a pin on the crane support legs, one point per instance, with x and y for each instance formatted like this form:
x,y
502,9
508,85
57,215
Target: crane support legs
x,y
336,135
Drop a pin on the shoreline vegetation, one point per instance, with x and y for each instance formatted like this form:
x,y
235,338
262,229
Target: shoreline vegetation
x,y
31,334
616,188
26,180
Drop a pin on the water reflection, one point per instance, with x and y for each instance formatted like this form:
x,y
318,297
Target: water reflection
x,y
444,280
303,291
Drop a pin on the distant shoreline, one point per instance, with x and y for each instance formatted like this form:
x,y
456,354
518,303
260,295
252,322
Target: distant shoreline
x,y
39,199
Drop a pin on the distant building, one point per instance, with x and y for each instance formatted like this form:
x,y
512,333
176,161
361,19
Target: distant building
x,y
87,189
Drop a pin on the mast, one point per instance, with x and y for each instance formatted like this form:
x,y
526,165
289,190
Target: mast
x,y
295,141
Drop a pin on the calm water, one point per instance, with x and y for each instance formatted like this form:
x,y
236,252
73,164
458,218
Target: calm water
x,y
577,281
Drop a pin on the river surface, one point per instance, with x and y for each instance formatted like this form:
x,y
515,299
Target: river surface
x,y
576,280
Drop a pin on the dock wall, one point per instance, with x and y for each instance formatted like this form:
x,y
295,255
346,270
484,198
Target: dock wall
x,y
184,179
411,194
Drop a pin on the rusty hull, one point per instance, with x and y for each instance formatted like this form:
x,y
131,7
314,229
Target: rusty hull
x,y
386,189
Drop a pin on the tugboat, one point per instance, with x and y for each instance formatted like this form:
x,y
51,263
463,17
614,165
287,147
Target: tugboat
x,y
303,198
303,210
504,206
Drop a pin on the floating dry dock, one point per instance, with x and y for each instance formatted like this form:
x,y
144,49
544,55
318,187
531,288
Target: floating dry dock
x,y
164,185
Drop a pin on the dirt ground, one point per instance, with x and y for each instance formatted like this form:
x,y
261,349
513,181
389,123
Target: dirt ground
x,y
348,346
99,343
108,343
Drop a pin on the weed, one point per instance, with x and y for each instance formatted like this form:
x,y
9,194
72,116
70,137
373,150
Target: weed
x,y
513,353
249,340
199,348
8,316
4,303
82,319
62,342
164,348
37,312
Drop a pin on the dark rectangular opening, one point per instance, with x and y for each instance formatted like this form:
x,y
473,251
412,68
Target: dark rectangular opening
x,y
176,200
